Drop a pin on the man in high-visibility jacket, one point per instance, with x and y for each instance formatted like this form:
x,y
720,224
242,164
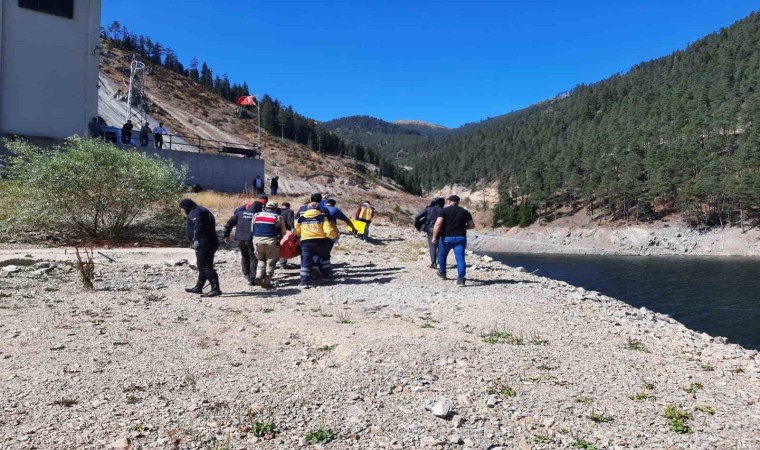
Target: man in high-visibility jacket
x,y
365,213
316,234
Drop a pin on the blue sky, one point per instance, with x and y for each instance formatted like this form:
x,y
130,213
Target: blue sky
x,y
443,62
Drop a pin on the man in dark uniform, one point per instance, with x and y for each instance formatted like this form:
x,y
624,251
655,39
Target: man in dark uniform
x,y
201,232
241,221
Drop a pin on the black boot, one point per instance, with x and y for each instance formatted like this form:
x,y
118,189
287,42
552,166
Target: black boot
x,y
215,291
198,288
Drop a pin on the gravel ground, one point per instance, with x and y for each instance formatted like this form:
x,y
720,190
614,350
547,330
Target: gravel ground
x,y
389,356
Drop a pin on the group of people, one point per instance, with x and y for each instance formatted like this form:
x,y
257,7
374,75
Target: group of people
x,y
446,229
258,185
268,234
145,132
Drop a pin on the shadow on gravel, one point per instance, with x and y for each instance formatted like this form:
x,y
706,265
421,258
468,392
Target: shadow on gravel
x,y
471,282
370,281
261,293
353,266
385,240
378,242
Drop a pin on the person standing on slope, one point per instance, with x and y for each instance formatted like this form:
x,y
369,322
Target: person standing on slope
x,y
450,233
144,132
258,184
365,213
158,135
126,132
201,232
431,214
268,228
316,234
241,221
274,185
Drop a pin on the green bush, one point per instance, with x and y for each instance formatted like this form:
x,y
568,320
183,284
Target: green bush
x,y
86,188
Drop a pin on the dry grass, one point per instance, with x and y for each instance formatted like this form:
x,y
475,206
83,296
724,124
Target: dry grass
x,y
220,202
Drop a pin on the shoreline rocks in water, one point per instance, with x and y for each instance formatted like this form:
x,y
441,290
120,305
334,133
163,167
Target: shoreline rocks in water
x,y
389,356
640,240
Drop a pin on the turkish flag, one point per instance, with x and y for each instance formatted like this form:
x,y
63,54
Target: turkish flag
x,y
247,100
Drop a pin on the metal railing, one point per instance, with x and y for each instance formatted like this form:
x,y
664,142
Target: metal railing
x,y
197,144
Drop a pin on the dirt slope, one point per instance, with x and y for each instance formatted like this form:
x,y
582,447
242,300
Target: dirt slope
x,y
189,110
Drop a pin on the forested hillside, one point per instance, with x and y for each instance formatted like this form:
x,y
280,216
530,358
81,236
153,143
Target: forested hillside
x,y
424,128
680,133
391,140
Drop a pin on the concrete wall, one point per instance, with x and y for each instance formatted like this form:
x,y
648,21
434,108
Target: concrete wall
x,y
48,70
214,172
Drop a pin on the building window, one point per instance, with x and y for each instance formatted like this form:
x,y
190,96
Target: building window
x,y
62,8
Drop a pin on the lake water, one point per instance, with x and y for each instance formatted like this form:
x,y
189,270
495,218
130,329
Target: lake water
x,y
720,296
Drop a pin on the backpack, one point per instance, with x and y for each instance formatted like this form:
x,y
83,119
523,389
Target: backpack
x,y
419,222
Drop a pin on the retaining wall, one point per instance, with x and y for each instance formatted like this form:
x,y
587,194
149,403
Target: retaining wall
x,y
214,172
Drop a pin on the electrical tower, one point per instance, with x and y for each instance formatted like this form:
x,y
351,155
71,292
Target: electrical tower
x,y
137,105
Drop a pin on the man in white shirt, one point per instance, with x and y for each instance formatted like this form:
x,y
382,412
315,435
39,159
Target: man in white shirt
x,y
158,133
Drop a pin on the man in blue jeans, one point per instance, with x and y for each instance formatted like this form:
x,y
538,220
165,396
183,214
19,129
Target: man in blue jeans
x,y
450,233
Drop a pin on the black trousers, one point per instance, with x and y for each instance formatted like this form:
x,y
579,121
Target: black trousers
x,y
144,140
248,260
159,140
204,258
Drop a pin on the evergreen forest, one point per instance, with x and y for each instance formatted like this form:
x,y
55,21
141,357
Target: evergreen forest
x,y
677,134
390,139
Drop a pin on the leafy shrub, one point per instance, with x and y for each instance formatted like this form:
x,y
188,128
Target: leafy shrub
x,y
87,187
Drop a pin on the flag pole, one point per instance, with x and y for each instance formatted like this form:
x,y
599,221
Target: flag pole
x,y
258,109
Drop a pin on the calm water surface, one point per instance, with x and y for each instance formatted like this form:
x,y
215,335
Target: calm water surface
x,y
720,296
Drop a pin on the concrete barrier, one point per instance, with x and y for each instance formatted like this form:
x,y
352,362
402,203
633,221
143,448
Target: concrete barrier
x,y
213,172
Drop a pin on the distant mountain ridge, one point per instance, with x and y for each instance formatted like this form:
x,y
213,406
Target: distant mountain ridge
x,y
425,128
392,139
367,124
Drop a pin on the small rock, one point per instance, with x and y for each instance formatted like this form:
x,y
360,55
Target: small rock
x,y
442,408
11,269
120,444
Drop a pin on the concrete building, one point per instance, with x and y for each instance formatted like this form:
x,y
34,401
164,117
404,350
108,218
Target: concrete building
x,y
49,54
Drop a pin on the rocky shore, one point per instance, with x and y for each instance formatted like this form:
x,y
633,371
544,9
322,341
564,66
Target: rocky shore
x,y
387,357
643,240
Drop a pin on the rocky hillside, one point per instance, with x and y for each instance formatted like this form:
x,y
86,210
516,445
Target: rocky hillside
x,y
188,109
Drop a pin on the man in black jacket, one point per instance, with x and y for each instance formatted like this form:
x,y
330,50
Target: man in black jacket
x,y
241,221
201,232
431,214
